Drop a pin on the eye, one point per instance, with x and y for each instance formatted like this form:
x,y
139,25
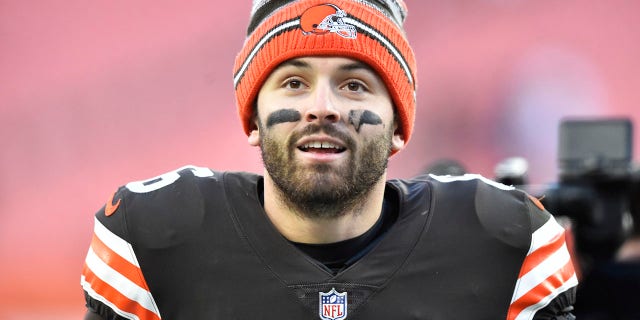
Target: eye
x,y
355,86
293,84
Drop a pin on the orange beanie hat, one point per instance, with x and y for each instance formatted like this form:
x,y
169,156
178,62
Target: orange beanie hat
x,y
368,31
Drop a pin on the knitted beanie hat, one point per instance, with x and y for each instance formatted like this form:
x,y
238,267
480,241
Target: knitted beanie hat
x,y
366,30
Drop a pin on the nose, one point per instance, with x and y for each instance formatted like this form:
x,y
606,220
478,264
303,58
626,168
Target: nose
x,y
322,107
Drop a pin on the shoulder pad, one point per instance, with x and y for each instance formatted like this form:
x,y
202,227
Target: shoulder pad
x,y
504,212
160,211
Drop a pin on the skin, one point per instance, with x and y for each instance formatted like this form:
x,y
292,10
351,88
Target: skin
x,y
341,101
328,99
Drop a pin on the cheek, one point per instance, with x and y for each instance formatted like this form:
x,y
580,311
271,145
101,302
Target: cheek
x,y
278,134
275,110
364,119
373,134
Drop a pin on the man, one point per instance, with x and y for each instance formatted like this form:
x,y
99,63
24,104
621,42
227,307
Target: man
x,y
326,89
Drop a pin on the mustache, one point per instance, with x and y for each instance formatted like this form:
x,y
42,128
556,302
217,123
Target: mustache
x,y
330,129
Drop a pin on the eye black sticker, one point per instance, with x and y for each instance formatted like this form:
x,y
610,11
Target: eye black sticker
x,y
282,116
359,117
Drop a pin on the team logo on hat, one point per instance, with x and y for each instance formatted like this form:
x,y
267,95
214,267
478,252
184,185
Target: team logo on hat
x,y
333,305
326,18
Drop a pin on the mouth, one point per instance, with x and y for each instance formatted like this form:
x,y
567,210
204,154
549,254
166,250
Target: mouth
x,y
321,147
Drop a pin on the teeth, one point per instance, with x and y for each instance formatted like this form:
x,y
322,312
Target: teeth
x,y
321,145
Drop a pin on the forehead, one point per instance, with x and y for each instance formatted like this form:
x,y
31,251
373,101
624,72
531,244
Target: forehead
x,y
326,64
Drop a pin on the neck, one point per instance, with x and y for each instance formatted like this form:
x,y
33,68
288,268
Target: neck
x,y
304,228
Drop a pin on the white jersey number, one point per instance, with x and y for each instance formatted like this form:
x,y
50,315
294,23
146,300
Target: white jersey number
x,y
166,179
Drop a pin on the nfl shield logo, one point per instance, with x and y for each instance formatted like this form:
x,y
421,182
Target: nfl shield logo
x,y
333,305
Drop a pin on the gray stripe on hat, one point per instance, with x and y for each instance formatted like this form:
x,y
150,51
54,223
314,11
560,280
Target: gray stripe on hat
x,y
267,37
382,39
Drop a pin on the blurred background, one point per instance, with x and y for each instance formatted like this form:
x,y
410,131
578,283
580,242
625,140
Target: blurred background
x,y
94,94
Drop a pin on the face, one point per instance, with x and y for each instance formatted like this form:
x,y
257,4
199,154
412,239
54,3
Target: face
x,y
326,129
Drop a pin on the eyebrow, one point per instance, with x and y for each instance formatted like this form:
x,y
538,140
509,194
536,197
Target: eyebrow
x,y
355,65
294,63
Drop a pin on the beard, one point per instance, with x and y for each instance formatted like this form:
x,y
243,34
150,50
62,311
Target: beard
x,y
325,190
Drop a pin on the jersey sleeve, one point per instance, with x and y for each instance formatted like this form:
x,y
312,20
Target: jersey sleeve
x,y
547,281
112,280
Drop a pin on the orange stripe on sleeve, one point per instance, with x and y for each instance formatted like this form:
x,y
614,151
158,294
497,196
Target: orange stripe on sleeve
x,y
116,298
542,290
118,263
535,258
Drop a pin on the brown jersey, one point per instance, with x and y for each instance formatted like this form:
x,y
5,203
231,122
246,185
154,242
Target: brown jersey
x,y
196,244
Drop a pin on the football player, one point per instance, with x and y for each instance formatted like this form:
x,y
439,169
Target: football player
x,y
326,89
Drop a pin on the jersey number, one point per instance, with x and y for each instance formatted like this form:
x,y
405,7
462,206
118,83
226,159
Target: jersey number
x,y
166,179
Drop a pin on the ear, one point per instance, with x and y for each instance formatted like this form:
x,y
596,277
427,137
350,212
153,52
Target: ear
x,y
254,135
397,141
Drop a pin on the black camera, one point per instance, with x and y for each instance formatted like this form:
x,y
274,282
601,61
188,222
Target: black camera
x,y
596,197
597,187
